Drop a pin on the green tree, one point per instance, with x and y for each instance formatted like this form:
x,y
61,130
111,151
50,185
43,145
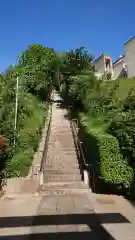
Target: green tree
x,y
40,65
73,63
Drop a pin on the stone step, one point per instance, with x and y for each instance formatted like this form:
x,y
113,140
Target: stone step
x,y
63,188
62,145
64,167
64,185
58,134
61,192
69,152
59,147
62,138
62,129
61,156
61,171
62,161
60,177
60,153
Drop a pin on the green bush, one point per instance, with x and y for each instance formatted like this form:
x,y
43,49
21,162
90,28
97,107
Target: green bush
x,y
105,156
113,167
20,163
36,71
28,139
129,102
123,128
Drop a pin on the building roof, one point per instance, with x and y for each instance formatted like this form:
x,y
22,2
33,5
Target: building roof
x,y
129,40
118,60
102,55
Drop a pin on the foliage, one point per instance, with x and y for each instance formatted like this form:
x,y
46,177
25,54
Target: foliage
x,y
113,168
104,152
36,71
122,127
108,76
39,64
129,102
126,85
73,63
28,137
81,86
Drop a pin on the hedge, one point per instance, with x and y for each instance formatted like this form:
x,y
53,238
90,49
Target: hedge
x,y
113,167
104,154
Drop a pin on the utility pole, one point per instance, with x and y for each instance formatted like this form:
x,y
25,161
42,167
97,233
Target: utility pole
x,y
16,108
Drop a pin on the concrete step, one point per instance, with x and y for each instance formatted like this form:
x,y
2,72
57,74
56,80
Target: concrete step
x,y
62,129
61,171
72,163
65,165
69,152
62,145
64,185
59,148
61,192
63,161
63,188
60,177
61,156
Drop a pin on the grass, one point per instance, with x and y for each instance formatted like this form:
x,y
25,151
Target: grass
x,y
125,86
98,124
29,134
94,123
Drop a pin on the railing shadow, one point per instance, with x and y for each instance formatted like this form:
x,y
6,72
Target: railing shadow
x,y
95,230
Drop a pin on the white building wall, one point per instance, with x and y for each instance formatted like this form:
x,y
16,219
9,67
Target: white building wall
x,y
118,69
100,65
130,57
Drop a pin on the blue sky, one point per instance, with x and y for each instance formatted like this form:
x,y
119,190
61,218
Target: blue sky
x,y
99,25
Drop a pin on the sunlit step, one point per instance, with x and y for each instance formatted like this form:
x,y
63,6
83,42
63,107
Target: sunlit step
x,y
22,231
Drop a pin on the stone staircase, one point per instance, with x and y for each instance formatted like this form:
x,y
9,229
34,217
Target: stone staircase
x,y
61,174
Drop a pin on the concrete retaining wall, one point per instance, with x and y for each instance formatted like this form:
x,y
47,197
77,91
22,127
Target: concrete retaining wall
x,y
37,160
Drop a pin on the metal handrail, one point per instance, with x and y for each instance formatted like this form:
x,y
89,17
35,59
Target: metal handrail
x,y
75,128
